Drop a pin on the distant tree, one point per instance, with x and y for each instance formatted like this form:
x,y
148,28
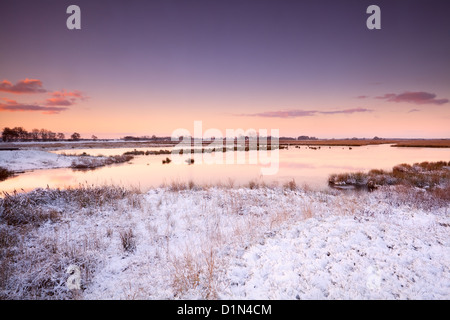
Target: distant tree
x,y
287,138
75,136
44,134
94,137
306,138
21,133
51,136
15,134
35,134
8,134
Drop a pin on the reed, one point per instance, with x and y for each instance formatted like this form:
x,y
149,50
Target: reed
x,y
426,175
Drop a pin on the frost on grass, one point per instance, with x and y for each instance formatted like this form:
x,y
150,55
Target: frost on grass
x,y
21,160
427,175
225,243
5,173
40,238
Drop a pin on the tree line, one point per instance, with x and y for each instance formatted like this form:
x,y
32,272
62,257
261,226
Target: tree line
x,y
20,134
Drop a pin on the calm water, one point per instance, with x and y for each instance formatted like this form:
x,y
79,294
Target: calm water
x,y
306,166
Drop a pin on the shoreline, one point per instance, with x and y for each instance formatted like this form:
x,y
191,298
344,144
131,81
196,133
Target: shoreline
x,y
19,161
86,144
423,175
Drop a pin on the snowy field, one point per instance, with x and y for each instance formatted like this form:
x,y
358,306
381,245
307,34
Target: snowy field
x,y
24,160
21,160
225,243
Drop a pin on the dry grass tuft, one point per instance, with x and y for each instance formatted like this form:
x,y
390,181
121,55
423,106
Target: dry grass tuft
x,y
128,240
90,163
5,174
210,274
428,175
427,200
308,212
176,186
196,272
38,206
21,210
290,185
8,238
279,218
437,143
253,184
186,275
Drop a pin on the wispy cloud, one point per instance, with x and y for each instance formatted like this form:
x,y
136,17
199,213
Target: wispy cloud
x,y
282,114
22,86
347,111
301,113
75,94
56,102
64,98
418,97
14,106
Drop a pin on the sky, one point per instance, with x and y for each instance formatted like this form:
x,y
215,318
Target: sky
x,y
152,67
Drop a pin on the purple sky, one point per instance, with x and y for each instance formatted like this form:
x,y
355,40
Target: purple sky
x,y
149,67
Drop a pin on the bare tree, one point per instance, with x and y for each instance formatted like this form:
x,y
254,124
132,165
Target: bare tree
x,y
35,134
75,136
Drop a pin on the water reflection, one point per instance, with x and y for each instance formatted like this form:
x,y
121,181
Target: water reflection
x,y
306,166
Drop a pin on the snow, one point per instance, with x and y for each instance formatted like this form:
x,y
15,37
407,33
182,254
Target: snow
x,y
21,160
66,142
340,258
265,243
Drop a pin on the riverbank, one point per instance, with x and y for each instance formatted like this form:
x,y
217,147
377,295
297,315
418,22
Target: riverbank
x,y
225,243
418,143
18,161
107,144
432,176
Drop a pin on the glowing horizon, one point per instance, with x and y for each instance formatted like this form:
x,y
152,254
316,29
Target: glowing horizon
x,y
149,68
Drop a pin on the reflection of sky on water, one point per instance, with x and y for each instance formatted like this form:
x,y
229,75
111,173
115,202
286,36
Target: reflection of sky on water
x,y
306,166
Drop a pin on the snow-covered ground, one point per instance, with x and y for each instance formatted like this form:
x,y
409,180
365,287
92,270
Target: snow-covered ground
x,y
21,160
348,258
225,243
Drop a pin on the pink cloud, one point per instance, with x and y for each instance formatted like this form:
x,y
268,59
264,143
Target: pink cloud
x,y
286,114
14,106
73,94
347,111
419,97
303,113
65,98
9,101
58,102
22,86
